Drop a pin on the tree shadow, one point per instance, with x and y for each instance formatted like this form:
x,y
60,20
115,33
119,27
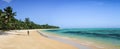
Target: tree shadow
x,y
3,33
20,34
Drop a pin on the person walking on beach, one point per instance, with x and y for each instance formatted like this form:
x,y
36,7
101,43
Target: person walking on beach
x,y
28,33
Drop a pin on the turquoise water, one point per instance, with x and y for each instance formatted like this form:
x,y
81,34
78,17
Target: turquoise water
x,y
101,35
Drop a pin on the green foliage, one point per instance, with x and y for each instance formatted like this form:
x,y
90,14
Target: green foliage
x,y
9,22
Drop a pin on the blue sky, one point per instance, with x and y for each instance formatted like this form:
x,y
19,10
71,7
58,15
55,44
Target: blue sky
x,y
68,13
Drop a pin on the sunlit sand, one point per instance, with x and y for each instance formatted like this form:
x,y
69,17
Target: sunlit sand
x,y
20,40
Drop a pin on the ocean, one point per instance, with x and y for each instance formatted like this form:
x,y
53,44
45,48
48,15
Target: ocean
x,y
104,37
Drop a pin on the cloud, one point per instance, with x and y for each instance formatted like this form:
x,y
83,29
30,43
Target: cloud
x,y
8,1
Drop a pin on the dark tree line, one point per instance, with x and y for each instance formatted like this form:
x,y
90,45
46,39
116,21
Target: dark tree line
x,y
9,22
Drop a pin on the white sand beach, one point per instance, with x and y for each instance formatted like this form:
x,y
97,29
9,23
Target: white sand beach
x,y
20,40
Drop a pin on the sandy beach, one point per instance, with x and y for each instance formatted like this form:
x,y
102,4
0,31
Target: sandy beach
x,y
19,39
37,39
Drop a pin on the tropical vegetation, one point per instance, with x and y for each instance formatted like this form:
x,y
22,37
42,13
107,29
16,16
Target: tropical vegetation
x,y
9,22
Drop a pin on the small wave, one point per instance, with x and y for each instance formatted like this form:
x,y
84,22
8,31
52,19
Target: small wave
x,y
116,36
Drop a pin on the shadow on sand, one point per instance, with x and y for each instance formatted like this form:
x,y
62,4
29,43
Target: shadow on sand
x,y
19,34
3,33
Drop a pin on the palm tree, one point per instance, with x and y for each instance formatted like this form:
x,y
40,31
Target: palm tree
x,y
27,23
0,18
9,13
9,16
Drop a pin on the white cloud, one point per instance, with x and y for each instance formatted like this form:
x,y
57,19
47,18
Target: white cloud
x,y
8,1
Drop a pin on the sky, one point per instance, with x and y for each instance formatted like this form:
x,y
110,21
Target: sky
x,y
68,13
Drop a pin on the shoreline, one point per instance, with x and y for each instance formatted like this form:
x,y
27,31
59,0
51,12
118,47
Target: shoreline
x,y
79,46
86,42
